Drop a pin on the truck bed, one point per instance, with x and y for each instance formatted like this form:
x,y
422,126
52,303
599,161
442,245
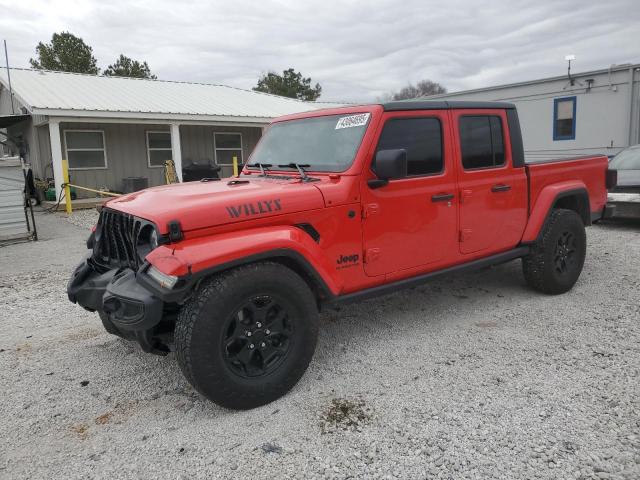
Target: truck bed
x,y
588,171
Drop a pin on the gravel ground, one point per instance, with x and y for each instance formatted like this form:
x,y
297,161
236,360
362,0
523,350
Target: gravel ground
x,y
472,376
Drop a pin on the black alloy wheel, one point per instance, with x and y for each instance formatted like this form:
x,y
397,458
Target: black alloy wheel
x,y
565,255
258,337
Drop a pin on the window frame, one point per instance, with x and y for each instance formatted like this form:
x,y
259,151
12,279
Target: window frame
x,y
556,101
103,149
505,163
216,148
157,149
414,117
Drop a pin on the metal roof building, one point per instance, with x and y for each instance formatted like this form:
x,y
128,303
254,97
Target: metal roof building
x,y
110,128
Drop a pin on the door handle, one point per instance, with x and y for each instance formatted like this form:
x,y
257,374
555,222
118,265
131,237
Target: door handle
x,y
442,197
501,188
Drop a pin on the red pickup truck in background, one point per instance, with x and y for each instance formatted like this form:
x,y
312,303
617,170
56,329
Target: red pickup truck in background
x,y
334,205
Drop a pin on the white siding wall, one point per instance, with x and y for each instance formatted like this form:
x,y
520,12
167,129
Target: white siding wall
x,y
602,113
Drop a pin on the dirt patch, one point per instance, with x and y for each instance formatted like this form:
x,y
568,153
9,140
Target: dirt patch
x,y
486,324
104,418
345,414
81,334
24,348
81,430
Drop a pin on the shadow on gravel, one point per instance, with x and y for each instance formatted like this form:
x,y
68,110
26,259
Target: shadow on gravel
x,y
371,324
362,326
626,224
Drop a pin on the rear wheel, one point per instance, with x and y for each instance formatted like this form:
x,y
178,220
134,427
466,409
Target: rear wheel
x,y
247,336
556,261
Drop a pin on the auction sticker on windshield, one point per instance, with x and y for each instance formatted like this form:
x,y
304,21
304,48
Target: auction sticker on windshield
x,y
353,121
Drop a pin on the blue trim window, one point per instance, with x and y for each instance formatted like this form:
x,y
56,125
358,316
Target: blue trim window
x,y
564,118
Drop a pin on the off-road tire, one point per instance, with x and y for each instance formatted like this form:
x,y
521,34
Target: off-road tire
x,y
200,332
540,266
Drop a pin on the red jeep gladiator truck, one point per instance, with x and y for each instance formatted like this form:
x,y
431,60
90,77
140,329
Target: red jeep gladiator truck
x,y
333,206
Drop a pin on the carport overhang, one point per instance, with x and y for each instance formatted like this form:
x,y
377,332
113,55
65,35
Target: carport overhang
x,y
10,120
7,121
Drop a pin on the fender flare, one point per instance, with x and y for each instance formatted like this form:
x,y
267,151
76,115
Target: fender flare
x,y
547,200
196,258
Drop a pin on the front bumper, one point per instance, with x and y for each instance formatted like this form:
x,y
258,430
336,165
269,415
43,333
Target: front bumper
x,y
128,304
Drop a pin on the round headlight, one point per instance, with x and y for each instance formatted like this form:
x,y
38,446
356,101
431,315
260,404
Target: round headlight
x,y
153,239
147,241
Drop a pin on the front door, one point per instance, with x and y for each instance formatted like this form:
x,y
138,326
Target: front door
x,y
492,192
412,222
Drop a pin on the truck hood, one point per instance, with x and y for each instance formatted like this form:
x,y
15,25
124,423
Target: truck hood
x,y
205,204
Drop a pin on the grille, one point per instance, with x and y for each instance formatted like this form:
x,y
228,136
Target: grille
x,y
116,240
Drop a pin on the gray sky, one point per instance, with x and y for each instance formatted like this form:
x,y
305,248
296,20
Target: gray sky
x,y
356,50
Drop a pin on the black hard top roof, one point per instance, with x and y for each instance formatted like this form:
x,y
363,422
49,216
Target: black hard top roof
x,y
442,105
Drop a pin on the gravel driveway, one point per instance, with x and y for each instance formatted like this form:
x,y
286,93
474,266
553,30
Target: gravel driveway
x,y
472,376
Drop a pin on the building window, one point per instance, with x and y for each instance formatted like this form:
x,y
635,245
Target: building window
x,y
85,149
422,140
158,148
227,146
564,118
481,142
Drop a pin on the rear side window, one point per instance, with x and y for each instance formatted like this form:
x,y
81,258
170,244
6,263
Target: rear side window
x,y
421,138
481,142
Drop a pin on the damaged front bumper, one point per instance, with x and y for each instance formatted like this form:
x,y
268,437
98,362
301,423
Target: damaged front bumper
x,y
128,299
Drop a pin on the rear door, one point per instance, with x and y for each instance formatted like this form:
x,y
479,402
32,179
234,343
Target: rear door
x,y
493,194
412,222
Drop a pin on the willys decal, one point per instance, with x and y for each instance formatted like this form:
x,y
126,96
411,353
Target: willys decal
x,y
254,208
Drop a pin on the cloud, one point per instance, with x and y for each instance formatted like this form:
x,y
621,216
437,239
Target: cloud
x,y
356,50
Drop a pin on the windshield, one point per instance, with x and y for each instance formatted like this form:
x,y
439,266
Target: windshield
x,y
628,159
326,144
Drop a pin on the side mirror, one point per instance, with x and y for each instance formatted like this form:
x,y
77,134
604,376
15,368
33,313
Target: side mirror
x,y
389,165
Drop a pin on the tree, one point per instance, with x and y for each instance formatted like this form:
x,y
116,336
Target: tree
x,y
126,67
423,88
290,84
65,53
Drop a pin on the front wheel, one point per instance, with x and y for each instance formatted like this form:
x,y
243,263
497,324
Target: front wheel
x,y
556,261
247,336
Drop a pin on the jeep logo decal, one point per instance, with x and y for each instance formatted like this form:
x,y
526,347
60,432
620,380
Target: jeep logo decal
x,y
256,208
346,261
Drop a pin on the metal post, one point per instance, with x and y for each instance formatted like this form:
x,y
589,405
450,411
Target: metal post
x,y
235,166
6,57
56,154
176,149
67,190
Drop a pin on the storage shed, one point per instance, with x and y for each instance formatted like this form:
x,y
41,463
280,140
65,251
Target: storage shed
x,y
13,221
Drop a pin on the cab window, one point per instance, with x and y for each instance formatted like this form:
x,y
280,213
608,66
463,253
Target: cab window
x,y
422,140
481,141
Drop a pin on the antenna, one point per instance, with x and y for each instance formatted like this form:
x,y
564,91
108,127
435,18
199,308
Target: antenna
x,y
6,57
568,58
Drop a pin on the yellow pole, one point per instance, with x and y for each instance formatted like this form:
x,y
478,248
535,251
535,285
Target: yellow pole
x,y
235,166
67,190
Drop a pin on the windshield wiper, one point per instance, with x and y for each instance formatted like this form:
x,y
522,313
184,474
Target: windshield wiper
x,y
300,167
262,166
